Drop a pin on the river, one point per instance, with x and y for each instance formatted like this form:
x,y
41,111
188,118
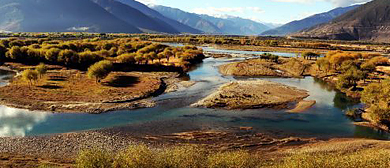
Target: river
x,y
172,114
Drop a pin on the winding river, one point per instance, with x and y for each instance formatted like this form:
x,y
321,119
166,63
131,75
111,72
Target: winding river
x,y
172,114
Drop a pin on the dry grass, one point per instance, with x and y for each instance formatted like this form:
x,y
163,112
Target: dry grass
x,y
73,86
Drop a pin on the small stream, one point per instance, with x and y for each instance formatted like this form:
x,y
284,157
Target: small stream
x,y
172,114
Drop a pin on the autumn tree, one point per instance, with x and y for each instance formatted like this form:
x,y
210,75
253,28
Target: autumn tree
x,y
100,70
41,69
376,97
30,75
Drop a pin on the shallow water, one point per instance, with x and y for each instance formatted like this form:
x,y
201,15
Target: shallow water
x,y
173,114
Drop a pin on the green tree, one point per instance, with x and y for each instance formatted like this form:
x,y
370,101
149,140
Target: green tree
x,y
350,78
30,76
100,70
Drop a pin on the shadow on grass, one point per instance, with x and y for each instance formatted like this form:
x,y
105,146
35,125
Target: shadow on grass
x,y
121,81
50,86
57,78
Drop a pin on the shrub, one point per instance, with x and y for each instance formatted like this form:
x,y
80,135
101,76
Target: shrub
x,y
183,156
15,53
139,156
51,55
236,159
127,58
29,75
94,158
41,69
100,70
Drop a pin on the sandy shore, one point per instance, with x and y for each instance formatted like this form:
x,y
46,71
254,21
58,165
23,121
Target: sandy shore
x,y
303,106
252,94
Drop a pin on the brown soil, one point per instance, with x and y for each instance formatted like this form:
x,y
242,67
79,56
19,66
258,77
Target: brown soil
x,y
72,91
252,94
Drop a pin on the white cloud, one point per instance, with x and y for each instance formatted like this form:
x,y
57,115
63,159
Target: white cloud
x,y
17,122
334,2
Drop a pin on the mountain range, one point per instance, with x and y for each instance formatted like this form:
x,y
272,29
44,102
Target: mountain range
x,y
299,25
213,25
370,22
113,16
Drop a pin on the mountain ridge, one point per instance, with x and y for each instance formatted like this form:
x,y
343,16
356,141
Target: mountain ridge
x,y
308,22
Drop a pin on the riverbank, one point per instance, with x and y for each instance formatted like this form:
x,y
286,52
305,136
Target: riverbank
x,y
63,90
252,94
284,67
61,150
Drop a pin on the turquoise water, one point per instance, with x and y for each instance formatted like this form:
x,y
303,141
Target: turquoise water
x,y
173,114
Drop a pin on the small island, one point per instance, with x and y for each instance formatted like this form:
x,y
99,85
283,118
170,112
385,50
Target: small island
x,y
252,94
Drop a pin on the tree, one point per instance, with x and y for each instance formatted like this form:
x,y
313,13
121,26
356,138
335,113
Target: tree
x,y
127,58
100,70
41,69
29,75
68,57
3,50
310,55
350,78
323,64
51,55
15,53
376,97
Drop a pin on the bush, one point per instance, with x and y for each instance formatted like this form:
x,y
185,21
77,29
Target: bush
x,y
182,156
376,98
41,69
237,159
29,75
127,58
100,70
94,158
139,156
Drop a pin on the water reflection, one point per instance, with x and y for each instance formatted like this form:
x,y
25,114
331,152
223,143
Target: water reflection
x,y
17,122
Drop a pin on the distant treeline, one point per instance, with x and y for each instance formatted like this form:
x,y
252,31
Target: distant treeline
x,y
81,54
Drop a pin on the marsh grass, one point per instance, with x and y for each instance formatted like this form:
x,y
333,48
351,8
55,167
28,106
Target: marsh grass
x,y
341,155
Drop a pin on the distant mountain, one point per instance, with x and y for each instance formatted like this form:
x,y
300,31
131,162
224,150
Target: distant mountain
x,y
189,19
237,25
159,17
213,25
59,16
368,22
135,17
308,22
272,25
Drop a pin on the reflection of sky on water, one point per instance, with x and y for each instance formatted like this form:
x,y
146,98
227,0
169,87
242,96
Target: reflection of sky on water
x,y
17,122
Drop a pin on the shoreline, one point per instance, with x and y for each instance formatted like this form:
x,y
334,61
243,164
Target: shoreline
x,y
168,83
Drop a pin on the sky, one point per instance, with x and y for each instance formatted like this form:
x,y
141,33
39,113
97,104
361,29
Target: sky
x,y
270,11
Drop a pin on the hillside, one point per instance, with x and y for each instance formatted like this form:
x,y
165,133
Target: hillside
x,y
135,17
370,22
213,25
190,19
159,17
236,25
298,25
59,16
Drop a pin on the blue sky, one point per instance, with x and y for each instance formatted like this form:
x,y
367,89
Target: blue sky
x,y
272,11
